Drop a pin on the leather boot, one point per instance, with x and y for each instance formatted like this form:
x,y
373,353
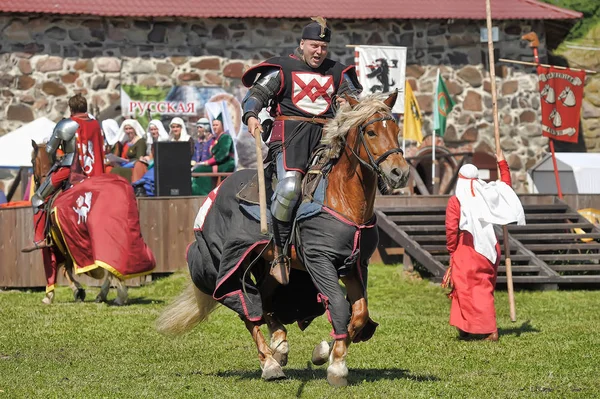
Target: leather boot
x,y
492,337
36,245
280,267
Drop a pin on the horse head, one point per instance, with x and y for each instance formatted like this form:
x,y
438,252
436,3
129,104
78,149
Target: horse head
x,y
41,163
375,140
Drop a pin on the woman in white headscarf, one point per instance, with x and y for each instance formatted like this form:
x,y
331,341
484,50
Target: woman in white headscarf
x,y
112,140
178,132
474,250
156,132
135,138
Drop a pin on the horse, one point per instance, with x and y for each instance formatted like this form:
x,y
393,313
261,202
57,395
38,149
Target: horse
x,y
59,252
334,243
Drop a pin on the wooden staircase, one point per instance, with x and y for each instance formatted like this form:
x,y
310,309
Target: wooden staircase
x,y
546,251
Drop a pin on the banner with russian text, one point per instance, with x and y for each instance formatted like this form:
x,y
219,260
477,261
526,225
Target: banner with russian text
x,y
382,69
187,102
561,92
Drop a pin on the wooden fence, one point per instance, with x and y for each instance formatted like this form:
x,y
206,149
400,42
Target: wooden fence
x,y
167,227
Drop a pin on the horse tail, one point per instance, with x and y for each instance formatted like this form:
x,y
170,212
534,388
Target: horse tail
x,y
190,308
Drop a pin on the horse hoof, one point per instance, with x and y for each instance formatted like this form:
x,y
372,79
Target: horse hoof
x,y
99,299
48,299
280,352
79,295
272,371
320,354
118,302
337,374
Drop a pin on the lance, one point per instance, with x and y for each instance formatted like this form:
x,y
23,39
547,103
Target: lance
x,y
262,193
508,263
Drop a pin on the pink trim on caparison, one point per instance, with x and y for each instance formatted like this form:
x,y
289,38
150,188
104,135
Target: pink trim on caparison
x,y
243,257
244,307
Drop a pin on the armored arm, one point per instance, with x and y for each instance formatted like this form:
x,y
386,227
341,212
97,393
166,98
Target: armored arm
x,y
265,89
63,133
349,85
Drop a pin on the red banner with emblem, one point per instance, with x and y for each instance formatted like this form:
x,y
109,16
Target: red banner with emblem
x,y
561,92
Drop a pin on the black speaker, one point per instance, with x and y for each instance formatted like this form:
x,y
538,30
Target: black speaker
x,y
172,168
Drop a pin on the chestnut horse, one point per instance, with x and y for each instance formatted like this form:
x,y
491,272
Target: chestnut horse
x,y
41,166
362,146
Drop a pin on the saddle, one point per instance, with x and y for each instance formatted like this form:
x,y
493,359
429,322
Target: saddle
x,y
319,167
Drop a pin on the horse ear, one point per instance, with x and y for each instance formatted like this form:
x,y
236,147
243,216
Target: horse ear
x,y
35,147
391,100
351,100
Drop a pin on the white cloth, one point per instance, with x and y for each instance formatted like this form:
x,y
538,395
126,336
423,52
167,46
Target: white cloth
x,y
484,204
110,127
184,133
139,130
162,134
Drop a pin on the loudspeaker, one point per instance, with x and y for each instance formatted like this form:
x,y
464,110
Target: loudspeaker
x,y
172,168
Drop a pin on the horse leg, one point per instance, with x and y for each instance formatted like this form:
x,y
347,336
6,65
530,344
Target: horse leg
x,y
271,369
101,297
121,292
279,344
78,290
337,372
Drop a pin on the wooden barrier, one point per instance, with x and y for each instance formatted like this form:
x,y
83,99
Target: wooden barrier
x,y
167,227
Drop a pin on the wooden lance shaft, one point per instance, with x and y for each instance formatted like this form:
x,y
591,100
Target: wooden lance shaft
x,y
262,194
509,280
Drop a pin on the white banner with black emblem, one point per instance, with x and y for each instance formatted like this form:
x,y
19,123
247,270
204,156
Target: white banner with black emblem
x,y
382,69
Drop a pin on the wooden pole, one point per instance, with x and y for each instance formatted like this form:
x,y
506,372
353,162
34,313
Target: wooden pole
x,y
262,193
544,65
508,263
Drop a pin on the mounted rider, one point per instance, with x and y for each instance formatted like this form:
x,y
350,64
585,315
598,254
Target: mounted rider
x,y
302,91
80,139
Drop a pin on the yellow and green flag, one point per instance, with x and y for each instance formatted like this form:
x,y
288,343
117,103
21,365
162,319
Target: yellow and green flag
x,y
442,106
412,116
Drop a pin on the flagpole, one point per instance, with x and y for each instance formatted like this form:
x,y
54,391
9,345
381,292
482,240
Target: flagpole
x,y
435,117
508,262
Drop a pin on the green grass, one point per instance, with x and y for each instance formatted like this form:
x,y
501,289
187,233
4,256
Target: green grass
x,y
101,351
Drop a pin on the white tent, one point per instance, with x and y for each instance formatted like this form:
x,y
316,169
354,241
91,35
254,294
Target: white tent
x,y
15,147
578,173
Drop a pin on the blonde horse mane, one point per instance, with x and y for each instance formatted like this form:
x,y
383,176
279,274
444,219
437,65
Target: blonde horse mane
x,y
335,131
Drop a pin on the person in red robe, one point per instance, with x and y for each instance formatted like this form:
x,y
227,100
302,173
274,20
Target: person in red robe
x,y
474,249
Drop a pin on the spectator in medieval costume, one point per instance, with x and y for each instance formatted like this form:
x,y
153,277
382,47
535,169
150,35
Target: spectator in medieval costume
x,y
156,133
299,115
222,158
135,137
203,142
81,141
178,132
474,250
112,141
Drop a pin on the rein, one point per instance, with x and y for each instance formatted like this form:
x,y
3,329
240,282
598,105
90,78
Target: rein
x,y
373,164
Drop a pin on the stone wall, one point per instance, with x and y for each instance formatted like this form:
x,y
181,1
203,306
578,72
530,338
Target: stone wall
x,y
44,60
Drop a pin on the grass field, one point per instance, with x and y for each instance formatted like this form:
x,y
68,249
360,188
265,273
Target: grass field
x,y
101,351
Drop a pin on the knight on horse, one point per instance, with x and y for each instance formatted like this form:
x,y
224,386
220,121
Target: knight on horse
x,y
80,140
302,91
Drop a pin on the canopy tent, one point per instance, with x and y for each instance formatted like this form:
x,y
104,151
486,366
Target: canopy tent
x,y
15,147
578,173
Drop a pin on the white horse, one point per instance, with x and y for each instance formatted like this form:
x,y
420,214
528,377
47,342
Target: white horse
x,y
548,91
568,97
555,117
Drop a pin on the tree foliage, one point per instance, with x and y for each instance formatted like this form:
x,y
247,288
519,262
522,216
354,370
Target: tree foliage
x,y
591,15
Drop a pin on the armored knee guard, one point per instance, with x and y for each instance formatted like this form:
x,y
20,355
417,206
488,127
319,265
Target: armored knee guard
x,y
45,190
286,196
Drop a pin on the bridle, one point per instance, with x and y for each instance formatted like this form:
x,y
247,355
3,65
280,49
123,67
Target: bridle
x,y
373,164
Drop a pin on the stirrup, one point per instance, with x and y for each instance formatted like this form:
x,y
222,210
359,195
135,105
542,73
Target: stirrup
x,y
280,269
37,245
